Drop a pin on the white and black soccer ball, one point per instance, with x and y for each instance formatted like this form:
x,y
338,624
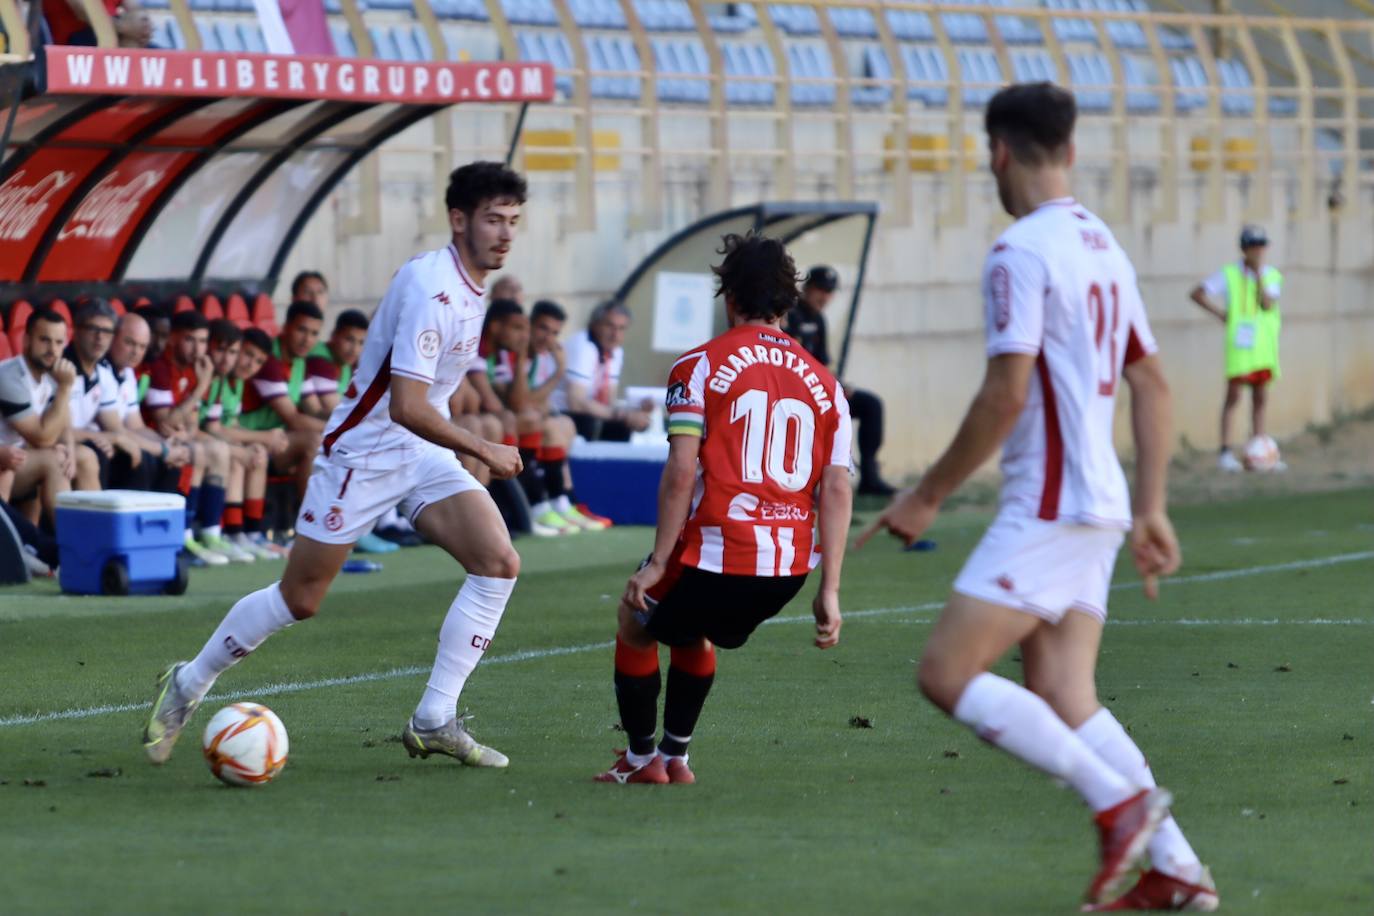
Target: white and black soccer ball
x,y
245,744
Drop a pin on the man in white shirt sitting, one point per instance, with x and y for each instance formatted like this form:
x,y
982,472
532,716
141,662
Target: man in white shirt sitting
x,y
592,379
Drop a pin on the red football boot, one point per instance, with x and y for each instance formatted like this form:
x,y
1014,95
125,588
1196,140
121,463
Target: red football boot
x,y
624,772
1158,891
1125,832
679,773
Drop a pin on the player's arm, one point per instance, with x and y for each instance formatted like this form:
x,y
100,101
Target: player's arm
x,y
295,418
1268,293
836,509
1201,297
410,408
544,391
581,401
52,427
517,395
491,403
1154,547
674,503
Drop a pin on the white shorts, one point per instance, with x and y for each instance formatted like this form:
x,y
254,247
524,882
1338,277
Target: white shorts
x,y
341,504
1042,568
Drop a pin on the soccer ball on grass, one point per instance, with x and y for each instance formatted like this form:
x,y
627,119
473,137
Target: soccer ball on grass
x,y
245,744
1261,454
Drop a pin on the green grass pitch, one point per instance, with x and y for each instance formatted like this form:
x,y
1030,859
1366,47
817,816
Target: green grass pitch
x,y
1247,685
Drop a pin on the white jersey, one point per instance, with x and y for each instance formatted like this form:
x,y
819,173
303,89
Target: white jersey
x,y
91,396
21,396
587,366
1057,286
126,390
427,328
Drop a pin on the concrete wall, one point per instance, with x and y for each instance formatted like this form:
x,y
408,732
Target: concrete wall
x,y
919,339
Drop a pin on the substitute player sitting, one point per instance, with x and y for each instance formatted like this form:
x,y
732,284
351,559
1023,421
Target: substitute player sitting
x,y
757,433
390,441
1065,323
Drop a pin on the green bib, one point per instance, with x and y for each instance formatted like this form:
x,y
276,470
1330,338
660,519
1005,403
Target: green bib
x,y
143,382
1252,333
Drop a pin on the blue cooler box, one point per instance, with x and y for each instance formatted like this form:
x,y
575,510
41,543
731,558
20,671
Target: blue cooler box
x,y
120,542
619,479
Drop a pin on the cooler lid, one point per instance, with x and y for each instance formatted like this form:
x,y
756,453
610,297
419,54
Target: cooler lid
x,y
120,501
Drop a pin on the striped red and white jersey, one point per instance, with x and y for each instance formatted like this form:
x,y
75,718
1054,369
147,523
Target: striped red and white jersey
x,y
770,421
426,328
1057,286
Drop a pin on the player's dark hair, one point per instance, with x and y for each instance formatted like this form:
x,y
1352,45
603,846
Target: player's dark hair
x,y
547,308
303,309
758,275
93,308
500,310
469,186
1035,119
306,275
350,318
44,314
257,337
189,320
151,313
224,333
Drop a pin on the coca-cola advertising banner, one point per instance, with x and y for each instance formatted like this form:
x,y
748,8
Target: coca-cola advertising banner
x,y
196,74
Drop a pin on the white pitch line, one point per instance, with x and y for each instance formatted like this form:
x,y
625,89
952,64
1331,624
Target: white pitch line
x,y
88,712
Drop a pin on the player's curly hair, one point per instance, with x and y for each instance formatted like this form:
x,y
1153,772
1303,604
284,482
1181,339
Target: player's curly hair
x,y
471,184
1035,119
758,275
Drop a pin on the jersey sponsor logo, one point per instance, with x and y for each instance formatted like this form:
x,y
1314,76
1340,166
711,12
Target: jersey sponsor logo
x,y
999,287
428,343
678,395
465,346
783,341
309,516
334,521
480,643
1093,240
232,645
746,507
442,297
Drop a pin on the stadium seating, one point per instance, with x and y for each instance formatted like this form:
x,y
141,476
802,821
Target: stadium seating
x,y
236,310
210,307
60,307
667,16
19,314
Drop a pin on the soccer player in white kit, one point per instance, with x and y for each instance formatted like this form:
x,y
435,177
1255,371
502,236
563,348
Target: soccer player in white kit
x,y
1065,324
390,441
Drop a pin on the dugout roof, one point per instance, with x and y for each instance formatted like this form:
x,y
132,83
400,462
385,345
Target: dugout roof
x,y
136,169
837,233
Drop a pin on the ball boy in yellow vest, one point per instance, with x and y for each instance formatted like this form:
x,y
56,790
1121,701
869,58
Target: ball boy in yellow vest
x,y
1245,296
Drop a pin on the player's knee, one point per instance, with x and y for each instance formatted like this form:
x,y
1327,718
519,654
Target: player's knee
x,y
940,681
502,563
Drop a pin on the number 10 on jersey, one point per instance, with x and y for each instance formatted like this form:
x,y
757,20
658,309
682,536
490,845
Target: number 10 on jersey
x,y
769,435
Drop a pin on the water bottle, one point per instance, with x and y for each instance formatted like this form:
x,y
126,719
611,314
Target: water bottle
x,y
362,566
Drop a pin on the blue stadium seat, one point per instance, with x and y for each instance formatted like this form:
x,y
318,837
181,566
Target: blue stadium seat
x,y
1071,30
156,5
384,45
747,61
423,47
227,35
979,66
909,25
925,64
551,47
202,6
1089,83
209,39
1016,30
851,22
390,5
1033,66
1170,39
169,35
964,28
795,20
333,7
1141,83
530,12
665,15
676,57
250,34
1128,35
343,39
475,10
1188,73
808,62
597,14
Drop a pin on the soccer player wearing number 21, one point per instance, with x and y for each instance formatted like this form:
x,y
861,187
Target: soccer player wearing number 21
x,y
757,432
390,441
1065,323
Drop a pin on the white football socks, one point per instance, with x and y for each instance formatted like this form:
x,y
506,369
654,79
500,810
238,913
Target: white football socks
x,y
467,631
1169,850
1022,724
254,618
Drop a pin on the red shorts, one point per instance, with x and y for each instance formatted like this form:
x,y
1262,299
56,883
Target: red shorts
x,y
1258,377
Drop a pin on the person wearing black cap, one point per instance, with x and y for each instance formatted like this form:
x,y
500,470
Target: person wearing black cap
x,y
806,322
1245,296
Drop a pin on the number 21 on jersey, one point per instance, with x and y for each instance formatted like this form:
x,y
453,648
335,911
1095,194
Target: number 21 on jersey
x,y
1104,335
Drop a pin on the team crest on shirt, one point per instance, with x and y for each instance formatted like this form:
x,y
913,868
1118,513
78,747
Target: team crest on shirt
x,y
334,521
999,287
428,344
1004,582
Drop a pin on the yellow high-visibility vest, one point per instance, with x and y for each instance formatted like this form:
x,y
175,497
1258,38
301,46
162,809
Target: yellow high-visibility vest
x,y
1252,333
